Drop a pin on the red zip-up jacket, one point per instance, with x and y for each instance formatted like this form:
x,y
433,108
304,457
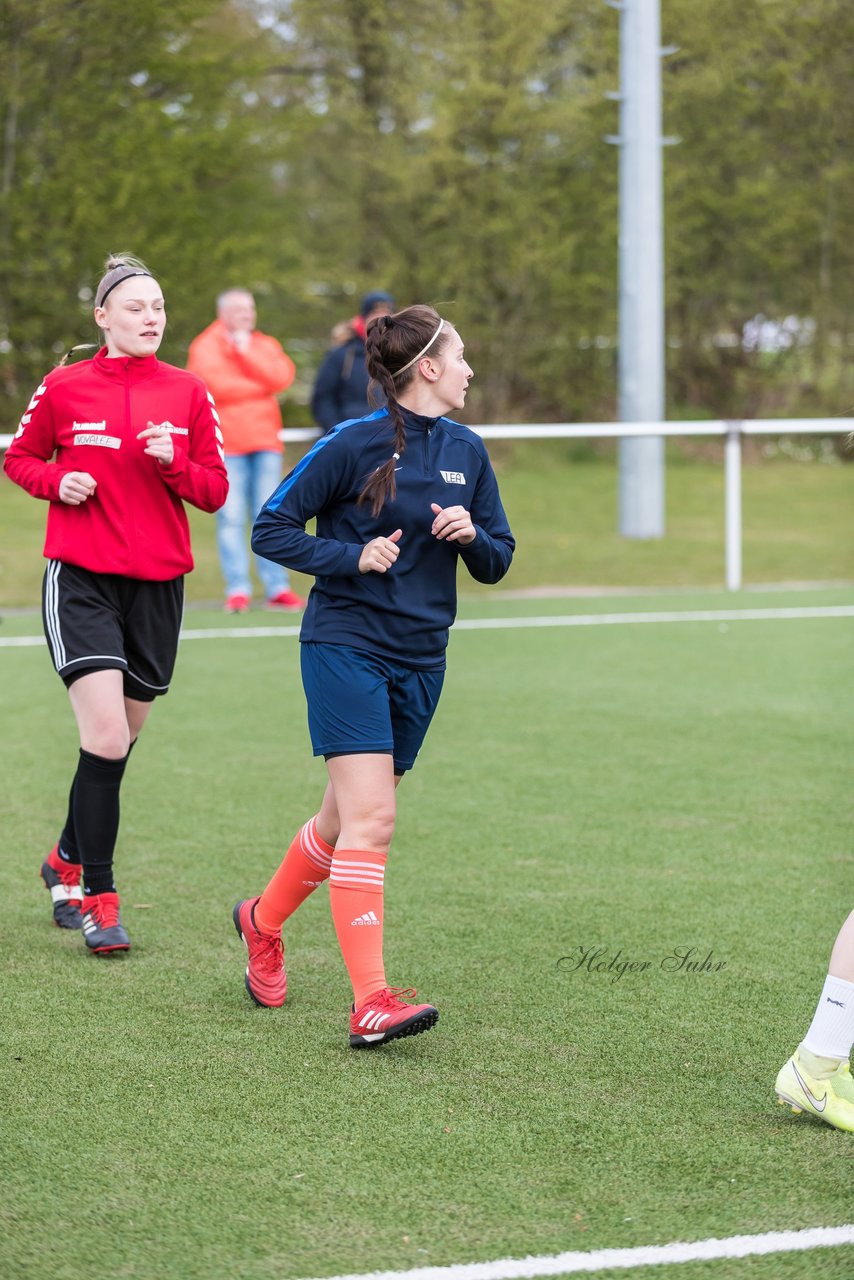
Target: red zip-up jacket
x,y
89,415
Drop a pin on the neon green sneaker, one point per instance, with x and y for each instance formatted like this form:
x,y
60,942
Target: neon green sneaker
x,y
831,1099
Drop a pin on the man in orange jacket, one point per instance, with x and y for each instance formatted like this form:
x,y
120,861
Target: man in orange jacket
x,y
244,370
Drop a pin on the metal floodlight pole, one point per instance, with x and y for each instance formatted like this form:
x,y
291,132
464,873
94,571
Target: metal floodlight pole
x,y
641,288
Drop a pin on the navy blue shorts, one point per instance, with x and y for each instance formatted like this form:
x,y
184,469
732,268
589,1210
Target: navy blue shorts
x,y
359,702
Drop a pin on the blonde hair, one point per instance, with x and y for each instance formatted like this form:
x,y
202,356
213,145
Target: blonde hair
x,y
118,267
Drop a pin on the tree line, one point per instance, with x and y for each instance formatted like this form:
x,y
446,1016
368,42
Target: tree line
x,y
453,153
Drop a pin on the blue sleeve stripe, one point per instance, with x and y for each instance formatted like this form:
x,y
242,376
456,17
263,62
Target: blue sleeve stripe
x,y
277,498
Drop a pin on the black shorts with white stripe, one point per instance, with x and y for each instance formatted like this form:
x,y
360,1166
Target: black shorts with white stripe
x,y
98,621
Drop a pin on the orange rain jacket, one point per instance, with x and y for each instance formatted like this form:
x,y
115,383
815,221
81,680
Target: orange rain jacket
x,y
244,385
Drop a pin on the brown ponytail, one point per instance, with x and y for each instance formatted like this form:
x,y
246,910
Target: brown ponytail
x,y
393,347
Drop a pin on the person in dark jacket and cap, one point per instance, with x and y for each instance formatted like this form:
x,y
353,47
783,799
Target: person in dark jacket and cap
x,y
341,388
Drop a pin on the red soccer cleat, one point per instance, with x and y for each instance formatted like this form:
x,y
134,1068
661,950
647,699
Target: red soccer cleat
x,y
238,603
287,600
385,1016
103,931
266,980
63,880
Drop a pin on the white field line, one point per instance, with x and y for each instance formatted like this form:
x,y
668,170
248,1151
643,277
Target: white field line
x,y
504,624
564,1264
687,615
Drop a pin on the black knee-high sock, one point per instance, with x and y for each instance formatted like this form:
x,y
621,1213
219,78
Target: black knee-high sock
x,y
68,850
95,807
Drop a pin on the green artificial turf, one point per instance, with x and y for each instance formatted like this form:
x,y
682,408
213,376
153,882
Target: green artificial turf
x,y
634,788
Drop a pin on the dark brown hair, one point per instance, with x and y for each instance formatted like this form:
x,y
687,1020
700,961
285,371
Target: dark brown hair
x,y
394,345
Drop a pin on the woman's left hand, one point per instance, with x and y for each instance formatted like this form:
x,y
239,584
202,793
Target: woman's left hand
x,y
453,524
160,444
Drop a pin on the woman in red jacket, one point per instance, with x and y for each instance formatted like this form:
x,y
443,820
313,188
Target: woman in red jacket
x,y
116,445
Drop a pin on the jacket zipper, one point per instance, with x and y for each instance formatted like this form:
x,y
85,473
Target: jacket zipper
x,y
131,529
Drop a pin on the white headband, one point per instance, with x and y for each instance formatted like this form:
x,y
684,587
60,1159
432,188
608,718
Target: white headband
x,y
422,352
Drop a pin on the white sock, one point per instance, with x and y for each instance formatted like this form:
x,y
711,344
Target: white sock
x,y
831,1032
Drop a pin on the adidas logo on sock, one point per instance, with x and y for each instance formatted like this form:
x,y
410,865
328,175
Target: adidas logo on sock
x,y
313,884
367,918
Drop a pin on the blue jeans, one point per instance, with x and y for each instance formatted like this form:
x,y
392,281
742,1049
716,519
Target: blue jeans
x,y
252,477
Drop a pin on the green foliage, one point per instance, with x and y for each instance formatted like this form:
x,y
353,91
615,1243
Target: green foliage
x,y
466,136
142,137
454,153
758,199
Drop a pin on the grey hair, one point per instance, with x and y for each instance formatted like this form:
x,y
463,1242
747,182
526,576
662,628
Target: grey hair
x,y
222,298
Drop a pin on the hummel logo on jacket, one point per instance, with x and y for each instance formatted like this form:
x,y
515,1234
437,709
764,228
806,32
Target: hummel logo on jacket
x,y
89,414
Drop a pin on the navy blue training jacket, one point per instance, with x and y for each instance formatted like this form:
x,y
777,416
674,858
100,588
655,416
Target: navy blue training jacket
x,y
403,614
341,389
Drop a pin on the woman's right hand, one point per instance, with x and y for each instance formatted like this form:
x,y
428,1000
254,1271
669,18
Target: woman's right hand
x,y
380,554
75,487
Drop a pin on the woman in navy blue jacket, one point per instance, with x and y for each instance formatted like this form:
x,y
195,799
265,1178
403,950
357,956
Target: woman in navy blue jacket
x,y
341,388
399,496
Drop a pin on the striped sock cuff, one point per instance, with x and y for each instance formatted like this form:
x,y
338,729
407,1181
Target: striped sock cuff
x,y
358,869
315,848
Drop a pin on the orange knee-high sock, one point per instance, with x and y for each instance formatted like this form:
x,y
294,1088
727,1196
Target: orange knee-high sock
x,y
356,899
305,866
